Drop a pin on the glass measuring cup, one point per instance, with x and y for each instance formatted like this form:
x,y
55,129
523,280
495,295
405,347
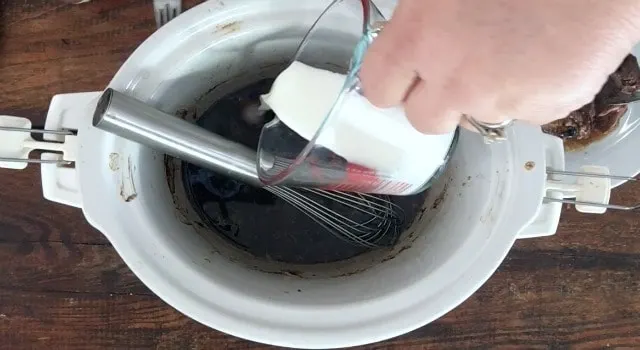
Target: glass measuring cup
x,y
346,144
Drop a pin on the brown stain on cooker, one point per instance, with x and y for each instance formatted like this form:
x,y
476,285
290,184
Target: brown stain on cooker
x,y
211,90
114,161
188,113
228,28
292,273
391,257
127,197
422,211
529,165
412,236
128,194
170,171
441,197
352,273
182,214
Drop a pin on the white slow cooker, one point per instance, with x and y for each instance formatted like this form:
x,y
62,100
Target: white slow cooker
x,y
490,196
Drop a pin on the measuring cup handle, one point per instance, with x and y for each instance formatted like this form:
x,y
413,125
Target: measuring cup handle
x,y
66,111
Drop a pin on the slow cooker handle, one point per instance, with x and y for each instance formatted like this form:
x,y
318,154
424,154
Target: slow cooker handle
x,y
61,184
547,218
591,190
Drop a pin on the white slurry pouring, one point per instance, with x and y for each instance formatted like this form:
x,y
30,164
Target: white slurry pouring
x,y
382,139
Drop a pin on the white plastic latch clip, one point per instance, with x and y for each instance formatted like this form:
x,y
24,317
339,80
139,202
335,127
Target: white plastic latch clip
x,y
591,190
16,144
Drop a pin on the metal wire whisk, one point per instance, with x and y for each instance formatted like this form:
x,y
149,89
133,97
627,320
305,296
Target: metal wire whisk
x,y
361,219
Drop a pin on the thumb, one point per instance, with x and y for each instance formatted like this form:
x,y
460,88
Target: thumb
x,y
384,74
430,111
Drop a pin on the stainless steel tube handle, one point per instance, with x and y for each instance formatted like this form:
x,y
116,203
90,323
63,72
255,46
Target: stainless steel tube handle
x,y
136,121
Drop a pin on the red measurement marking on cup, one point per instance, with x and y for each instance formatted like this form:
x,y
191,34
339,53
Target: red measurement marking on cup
x,y
363,179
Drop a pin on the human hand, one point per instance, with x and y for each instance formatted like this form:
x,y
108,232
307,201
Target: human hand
x,y
495,60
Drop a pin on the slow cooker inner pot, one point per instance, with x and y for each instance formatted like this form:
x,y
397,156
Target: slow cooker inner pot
x,y
257,221
205,71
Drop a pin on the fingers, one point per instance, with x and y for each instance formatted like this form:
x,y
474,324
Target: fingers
x,y
413,63
386,74
431,111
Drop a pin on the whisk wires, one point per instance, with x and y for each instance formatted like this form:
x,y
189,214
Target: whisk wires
x,y
362,219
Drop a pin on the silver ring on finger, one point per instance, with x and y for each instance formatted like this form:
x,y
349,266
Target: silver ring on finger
x,y
491,132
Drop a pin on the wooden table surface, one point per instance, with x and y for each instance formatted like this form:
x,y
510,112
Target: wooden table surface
x,y
63,286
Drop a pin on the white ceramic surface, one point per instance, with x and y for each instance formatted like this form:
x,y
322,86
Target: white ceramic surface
x,y
476,210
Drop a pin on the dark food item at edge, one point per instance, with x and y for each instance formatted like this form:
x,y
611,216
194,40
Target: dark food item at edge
x,y
598,118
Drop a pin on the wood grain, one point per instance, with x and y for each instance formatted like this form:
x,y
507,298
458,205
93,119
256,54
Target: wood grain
x,y
64,287
66,267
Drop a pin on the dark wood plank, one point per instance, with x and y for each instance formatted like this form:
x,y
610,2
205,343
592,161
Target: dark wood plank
x,y
614,231
81,321
66,267
26,217
51,47
545,299
563,305
47,48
